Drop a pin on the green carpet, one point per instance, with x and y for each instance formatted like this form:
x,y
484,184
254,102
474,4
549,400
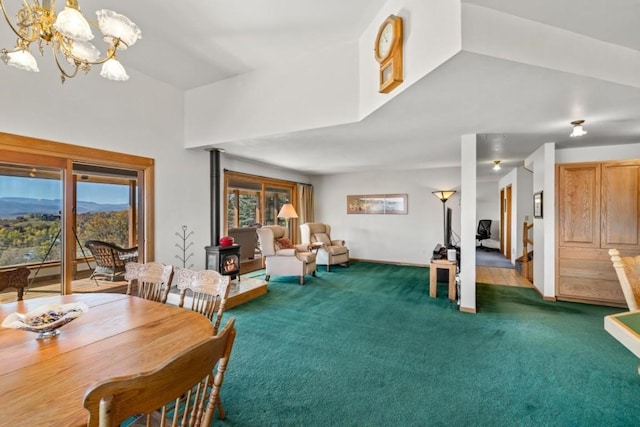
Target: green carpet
x,y
366,346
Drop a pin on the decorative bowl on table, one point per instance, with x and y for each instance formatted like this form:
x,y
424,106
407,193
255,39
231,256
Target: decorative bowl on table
x,y
46,319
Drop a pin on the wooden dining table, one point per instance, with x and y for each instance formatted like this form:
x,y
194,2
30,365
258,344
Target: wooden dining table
x,y
43,382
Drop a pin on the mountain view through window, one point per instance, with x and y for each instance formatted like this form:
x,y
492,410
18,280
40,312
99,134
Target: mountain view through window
x,y
30,219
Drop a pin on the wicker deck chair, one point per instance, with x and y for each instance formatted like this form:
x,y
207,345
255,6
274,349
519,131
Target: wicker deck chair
x,y
110,259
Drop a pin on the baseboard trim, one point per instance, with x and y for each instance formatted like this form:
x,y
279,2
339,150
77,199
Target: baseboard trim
x,y
375,261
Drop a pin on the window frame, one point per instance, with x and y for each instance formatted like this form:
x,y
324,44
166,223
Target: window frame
x,y
25,150
264,183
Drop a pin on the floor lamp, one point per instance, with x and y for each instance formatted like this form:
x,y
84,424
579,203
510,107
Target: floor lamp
x,y
287,211
444,196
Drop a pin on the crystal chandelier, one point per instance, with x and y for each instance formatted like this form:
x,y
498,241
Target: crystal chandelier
x,y
68,33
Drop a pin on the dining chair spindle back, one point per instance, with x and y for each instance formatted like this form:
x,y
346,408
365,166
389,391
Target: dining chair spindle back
x,y
184,388
153,280
208,290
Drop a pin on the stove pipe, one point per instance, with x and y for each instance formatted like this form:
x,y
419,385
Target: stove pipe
x,y
214,170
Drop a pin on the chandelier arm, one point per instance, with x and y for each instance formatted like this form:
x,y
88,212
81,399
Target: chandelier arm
x,y
13,28
6,18
62,70
111,53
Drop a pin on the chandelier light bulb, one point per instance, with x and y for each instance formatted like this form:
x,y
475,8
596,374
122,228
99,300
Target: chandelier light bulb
x,y
114,25
72,24
21,59
578,130
113,70
84,51
496,165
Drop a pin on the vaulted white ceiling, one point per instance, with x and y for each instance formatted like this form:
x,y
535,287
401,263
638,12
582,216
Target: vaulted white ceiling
x,y
514,107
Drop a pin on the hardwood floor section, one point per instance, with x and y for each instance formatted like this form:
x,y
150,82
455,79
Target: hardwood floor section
x,y
488,275
501,276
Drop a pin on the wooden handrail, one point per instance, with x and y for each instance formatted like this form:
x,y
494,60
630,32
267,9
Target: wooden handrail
x,y
525,250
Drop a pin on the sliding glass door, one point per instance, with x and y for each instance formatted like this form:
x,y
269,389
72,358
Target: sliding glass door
x,y
31,220
275,197
54,197
254,201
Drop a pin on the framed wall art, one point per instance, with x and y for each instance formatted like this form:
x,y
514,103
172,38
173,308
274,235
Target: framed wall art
x,y
537,205
381,204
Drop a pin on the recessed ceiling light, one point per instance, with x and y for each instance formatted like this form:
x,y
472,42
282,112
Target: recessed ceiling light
x,y
578,130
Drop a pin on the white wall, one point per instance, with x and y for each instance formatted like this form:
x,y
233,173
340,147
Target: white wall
x,y
468,146
342,80
273,101
408,239
523,201
536,162
141,117
431,28
549,220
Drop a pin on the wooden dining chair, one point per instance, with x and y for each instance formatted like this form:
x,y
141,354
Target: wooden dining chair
x,y
153,280
208,290
131,271
628,271
183,391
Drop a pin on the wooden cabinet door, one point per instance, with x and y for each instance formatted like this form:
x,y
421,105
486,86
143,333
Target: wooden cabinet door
x,y
620,205
579,205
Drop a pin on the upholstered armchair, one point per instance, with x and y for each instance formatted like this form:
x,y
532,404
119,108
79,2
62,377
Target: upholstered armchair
x,y
330,252
282,258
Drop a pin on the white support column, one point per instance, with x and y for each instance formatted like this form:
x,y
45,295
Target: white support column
x,y
468,223
549,221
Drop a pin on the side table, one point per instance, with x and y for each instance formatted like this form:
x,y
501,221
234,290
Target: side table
x,y
314,247
434,265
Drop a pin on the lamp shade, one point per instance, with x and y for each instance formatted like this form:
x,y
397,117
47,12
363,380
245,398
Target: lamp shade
x,y
84,51
113,70
444,195
22,59
115,25
287,211
72,24
578,130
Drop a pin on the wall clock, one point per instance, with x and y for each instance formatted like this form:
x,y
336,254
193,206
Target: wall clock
x,y
388,53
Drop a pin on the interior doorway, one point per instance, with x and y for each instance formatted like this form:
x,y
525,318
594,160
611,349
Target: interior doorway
x,y
506,220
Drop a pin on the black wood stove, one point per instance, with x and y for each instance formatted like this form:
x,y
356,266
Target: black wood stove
x,y
224,259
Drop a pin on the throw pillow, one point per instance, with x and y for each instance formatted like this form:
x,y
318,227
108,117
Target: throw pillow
x,y
284,243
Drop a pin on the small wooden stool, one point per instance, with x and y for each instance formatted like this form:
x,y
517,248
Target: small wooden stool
x,y
17,278
433,279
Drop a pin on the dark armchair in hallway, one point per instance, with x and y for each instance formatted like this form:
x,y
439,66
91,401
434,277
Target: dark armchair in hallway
x,y
484,231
